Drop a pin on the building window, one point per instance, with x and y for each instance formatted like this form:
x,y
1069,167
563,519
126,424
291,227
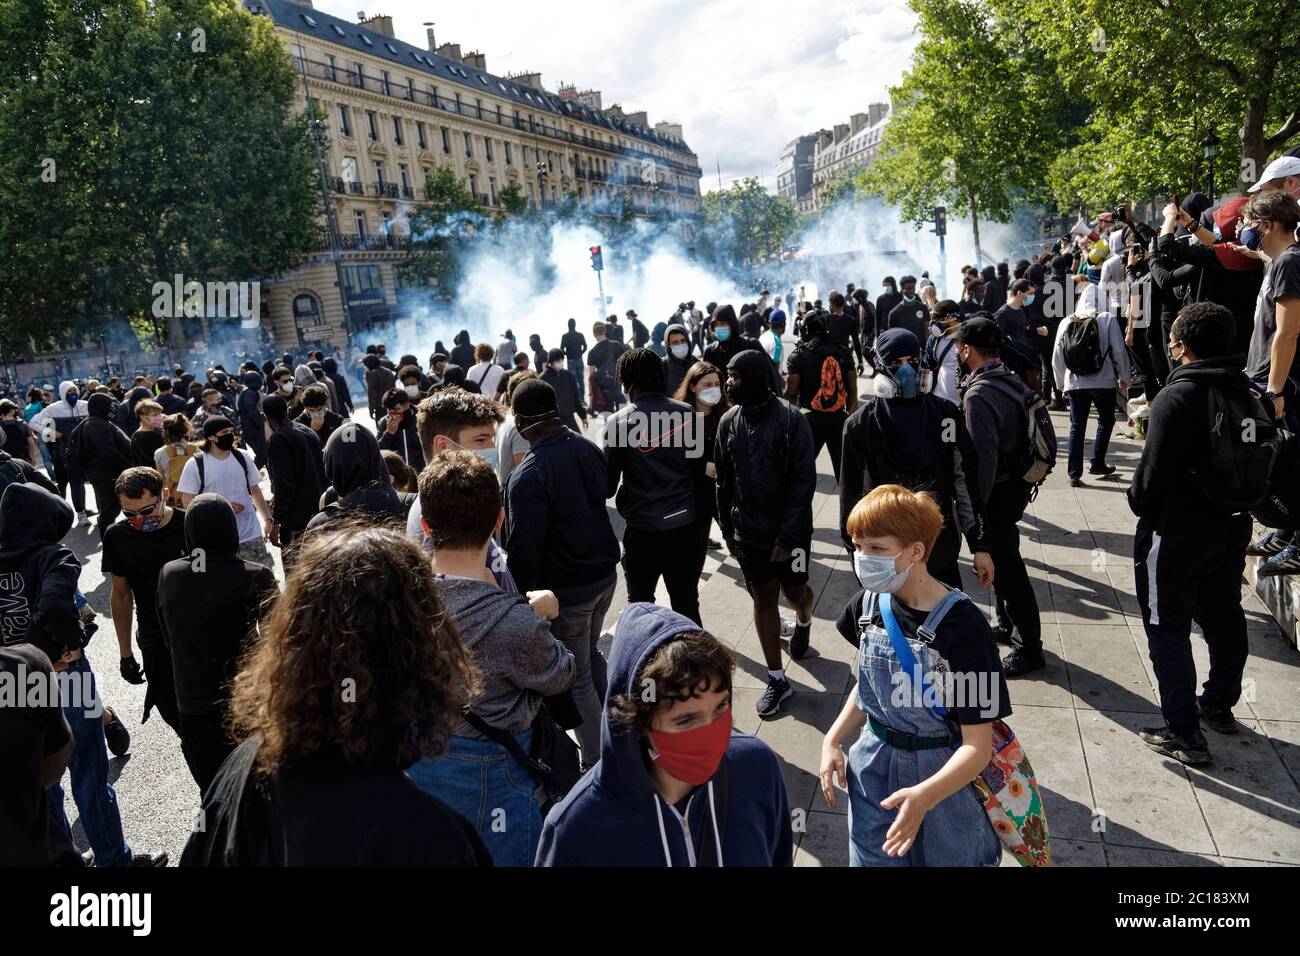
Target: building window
x,y
419,135
478,108
498,114
397,130
379,173
345,127
402,174
487,148
410,89
473,186
509,159
384,85
372,124
359,220
492,188
469,145
386,223
362,278
330,73
433,96
526,154
457,102
306,312
359,76
446,140
349,169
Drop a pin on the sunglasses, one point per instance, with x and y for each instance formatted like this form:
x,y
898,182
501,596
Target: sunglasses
x,y
144,512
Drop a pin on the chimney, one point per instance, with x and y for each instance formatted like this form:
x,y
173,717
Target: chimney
x,y
380,23
841,131
824,139
638,119
857,122
476,60
531,80
591,98
876,112
615,111
450,51
669,129
433,45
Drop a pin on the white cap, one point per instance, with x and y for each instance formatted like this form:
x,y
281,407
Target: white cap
x,y
1279,168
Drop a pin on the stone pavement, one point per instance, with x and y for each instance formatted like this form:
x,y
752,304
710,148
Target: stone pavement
x,y
1110,800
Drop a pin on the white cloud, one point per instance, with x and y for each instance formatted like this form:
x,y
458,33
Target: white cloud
x,y
743,77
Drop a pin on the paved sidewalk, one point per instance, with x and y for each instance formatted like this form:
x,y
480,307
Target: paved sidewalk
x,y
1110,800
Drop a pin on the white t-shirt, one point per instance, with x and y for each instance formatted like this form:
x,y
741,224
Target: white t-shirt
x,y
509,444
226,478
485,375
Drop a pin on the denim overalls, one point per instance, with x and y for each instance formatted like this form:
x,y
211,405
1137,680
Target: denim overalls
x,y
956,832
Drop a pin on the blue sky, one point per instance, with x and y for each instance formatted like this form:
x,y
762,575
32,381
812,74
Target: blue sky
x,y
743,77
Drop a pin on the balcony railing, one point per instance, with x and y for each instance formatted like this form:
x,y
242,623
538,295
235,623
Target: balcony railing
x,y
377,241
386,190
408,192
375,84
356,188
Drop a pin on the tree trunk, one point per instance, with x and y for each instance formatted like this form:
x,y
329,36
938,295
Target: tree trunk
x,y
1254,151
975,225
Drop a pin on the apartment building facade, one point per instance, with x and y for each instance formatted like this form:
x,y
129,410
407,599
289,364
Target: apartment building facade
x,y
845,149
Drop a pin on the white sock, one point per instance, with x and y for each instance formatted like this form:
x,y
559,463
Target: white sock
x,y
802,622
777,675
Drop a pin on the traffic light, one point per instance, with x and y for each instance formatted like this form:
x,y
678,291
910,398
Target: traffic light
x,y
597,260
940,221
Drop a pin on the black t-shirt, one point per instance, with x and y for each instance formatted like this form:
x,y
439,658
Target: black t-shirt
x,y
27,736
964,640
1281,280
143,445
604,355
574,344
806,362
912,316
15,434
139,556
327,814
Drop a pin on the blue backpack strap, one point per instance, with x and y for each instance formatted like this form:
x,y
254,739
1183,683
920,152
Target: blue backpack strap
x,y
903,650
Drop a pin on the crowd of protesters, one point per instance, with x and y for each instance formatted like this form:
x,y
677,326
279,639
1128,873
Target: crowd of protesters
x,y
426,684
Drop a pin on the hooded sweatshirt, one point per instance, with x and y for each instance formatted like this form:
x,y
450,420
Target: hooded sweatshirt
x,y
38,575
614,817
208,610
105,449
463,352
518,660
675,369
59,416
358,479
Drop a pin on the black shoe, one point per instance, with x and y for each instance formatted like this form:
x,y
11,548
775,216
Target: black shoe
x,y
117,736
1076,482
799,639
1270,544
1286,561
1059,406
777,691
89,510
1194,751
1105,471
1020,662
1220,719
714,545
149,859
1002,634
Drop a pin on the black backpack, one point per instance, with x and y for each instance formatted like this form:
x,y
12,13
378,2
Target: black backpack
x,y
73,450
1244,445
11,473
1081,342
1280,507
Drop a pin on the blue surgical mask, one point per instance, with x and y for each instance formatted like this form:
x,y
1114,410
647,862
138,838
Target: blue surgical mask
x,y
1029,299
680,351
907,380
489,455
722,334
877,573
1251,237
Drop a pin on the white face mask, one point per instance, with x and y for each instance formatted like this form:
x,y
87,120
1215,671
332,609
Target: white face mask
x,y
412,390
287,387
680,351
710,396
558,366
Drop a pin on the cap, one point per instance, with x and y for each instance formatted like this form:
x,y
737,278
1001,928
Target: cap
x,y
631,313
216,424
1280,167
981,332
535,400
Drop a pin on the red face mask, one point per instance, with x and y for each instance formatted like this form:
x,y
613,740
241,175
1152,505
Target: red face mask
x,y
692,756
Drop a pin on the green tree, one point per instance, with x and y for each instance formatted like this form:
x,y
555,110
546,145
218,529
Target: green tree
x,y
439,229
974,123
745,223
513,202
140,139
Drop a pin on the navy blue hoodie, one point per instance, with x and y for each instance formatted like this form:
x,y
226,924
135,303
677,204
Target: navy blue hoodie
x,y
38,575
612,817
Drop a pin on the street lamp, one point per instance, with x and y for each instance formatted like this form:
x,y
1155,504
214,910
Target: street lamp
x,y
1210,148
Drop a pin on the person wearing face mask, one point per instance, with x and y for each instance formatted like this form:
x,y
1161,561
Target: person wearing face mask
x,y
148,438
909,770
252,423
678,360
1188,550
1018,351
885,302
767,475
105,454
317,415
397,430
225,470
211,406
675,785
135,550
559,539
822,379
910,313
728,340
996,419
904,436
1283,174
344,394
568,400
297,470
939,355
701,388
54,424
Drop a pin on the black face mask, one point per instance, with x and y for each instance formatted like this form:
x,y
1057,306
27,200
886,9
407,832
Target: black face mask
x,y
225,442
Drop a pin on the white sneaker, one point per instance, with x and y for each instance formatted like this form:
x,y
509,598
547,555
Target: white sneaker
x,y
787,626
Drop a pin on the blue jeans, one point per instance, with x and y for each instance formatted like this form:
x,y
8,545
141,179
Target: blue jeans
x,y
93,794
491,790
575,366
1081,402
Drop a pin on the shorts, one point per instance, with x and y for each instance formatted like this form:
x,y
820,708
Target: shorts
x,y
758,568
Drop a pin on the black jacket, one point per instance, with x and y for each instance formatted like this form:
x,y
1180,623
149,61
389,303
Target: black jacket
x,y
567,400
870,458
297,475
38,575
650,444
558,534
327,428
30,474
1235,290
462,352
766,475
1177,441
720,353
208,613
997,426
105,449
405,441
885,303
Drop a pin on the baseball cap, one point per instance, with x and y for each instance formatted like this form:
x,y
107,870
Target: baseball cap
x,y
981,332
1280,167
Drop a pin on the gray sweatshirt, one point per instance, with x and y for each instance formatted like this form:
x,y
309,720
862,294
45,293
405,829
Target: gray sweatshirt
x,y
518,659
